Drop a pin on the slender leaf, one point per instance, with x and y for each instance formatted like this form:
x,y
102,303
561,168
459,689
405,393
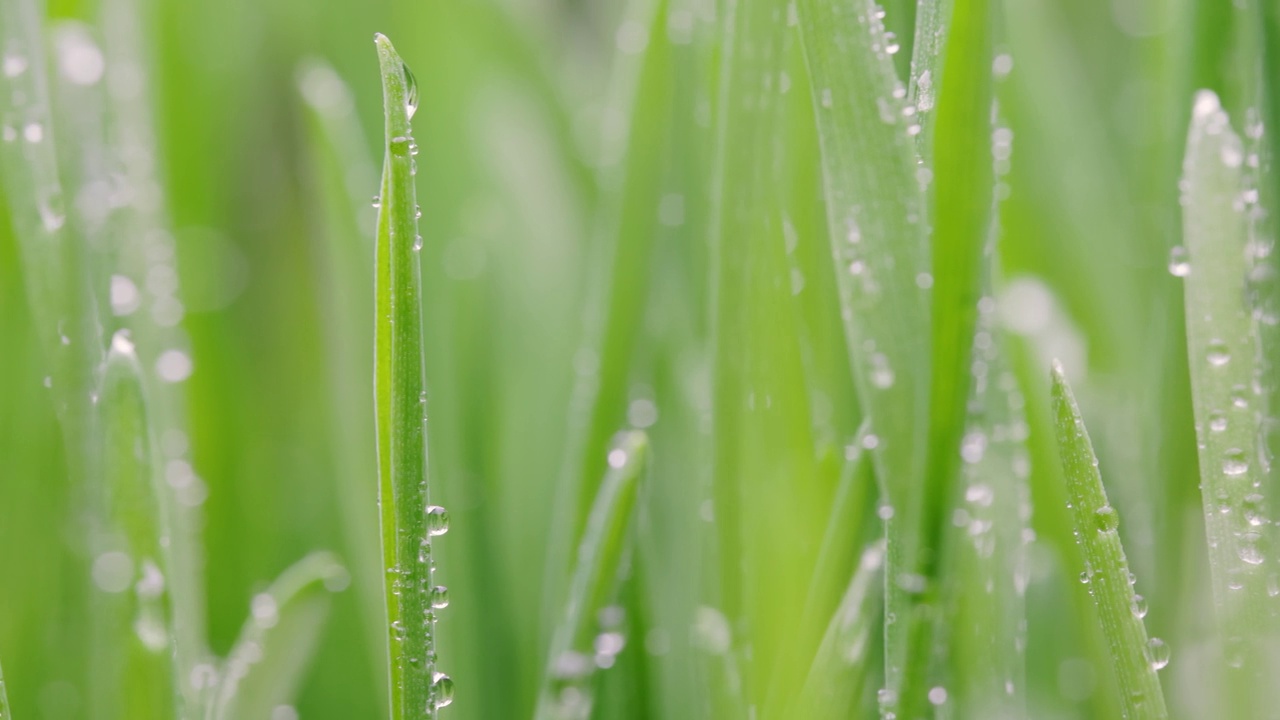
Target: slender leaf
x,y
1134,658
275,646
1230,401
589,633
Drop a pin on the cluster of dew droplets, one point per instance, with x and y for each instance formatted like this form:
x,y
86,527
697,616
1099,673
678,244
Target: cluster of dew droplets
x,y
438,599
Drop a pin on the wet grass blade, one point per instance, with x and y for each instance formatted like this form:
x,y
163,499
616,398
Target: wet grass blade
x,y
408,520
837,676
5,714
134,668
266,664
1134,658
587,631
875,217
1228,395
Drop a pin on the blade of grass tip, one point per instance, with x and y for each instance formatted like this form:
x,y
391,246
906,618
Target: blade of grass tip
x,y
1134,658
134,672
140,246
875,217
586,630
618,290
1229,400
848,508
926,66
339,164
837,674
266,664
409,522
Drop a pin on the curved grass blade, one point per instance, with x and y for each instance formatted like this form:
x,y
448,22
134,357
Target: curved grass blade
x,y
276,644
875,217
341,172
584,632
1229,399
1134,658
417,690
134,668
837,676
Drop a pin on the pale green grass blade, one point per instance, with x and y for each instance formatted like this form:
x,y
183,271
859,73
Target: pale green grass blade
x,y
875,217
409,521
844,521
837,676
4,700
588,630
267,663
617,290
988,636
926,66
341,171
1227,381
134,673
1134,658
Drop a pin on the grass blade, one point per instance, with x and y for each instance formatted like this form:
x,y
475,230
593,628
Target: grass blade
x,y
584,632
1227,382
276,644
408,520
134,672
836,679
4,700
1134,658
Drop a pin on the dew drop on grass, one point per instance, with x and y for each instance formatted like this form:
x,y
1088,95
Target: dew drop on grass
x,y
1157,653
617,458
937,695
400,146
441,690
1248,549
1218,355
1085,575
1138,606
1106,518
437,520
33,132
410,92
1254,512
439,597
265,610
1234,462
1179,264
113,571
14,64
1217,422
173,366
377,201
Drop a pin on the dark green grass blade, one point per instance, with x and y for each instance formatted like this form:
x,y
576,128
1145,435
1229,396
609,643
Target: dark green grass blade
x,y
1228,381
400,392
1134,658
134,672
266,664
586,631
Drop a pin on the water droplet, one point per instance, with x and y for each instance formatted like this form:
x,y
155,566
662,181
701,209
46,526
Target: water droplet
x,y
617,458
1234,462
1085,575
1179,264
173,366
265,610
1106,518
437,520
439,597
1002,65
410,102
1248,549
33,132
417,243
125,297
979,494
1157,653
400,146
113,571
397,630
377,201
1217,353
1138,606
937,695
1217,422
441,690
14,64
1254,509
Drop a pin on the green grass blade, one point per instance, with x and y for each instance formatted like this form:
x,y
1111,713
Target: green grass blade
x,y
1223,349
409,521
341,172
134,672
584,632
875,217
5,714
926,65
275,646
837,675
1134,658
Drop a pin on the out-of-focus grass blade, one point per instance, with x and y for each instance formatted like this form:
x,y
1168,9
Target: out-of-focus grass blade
x,y
267,662
587,632
875,217
341,173
408,520
134,672
1228,394
988,639
4,700
1135,659
617,290
836,679
848,511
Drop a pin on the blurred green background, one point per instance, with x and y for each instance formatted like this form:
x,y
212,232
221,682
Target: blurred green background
x,y
565,178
